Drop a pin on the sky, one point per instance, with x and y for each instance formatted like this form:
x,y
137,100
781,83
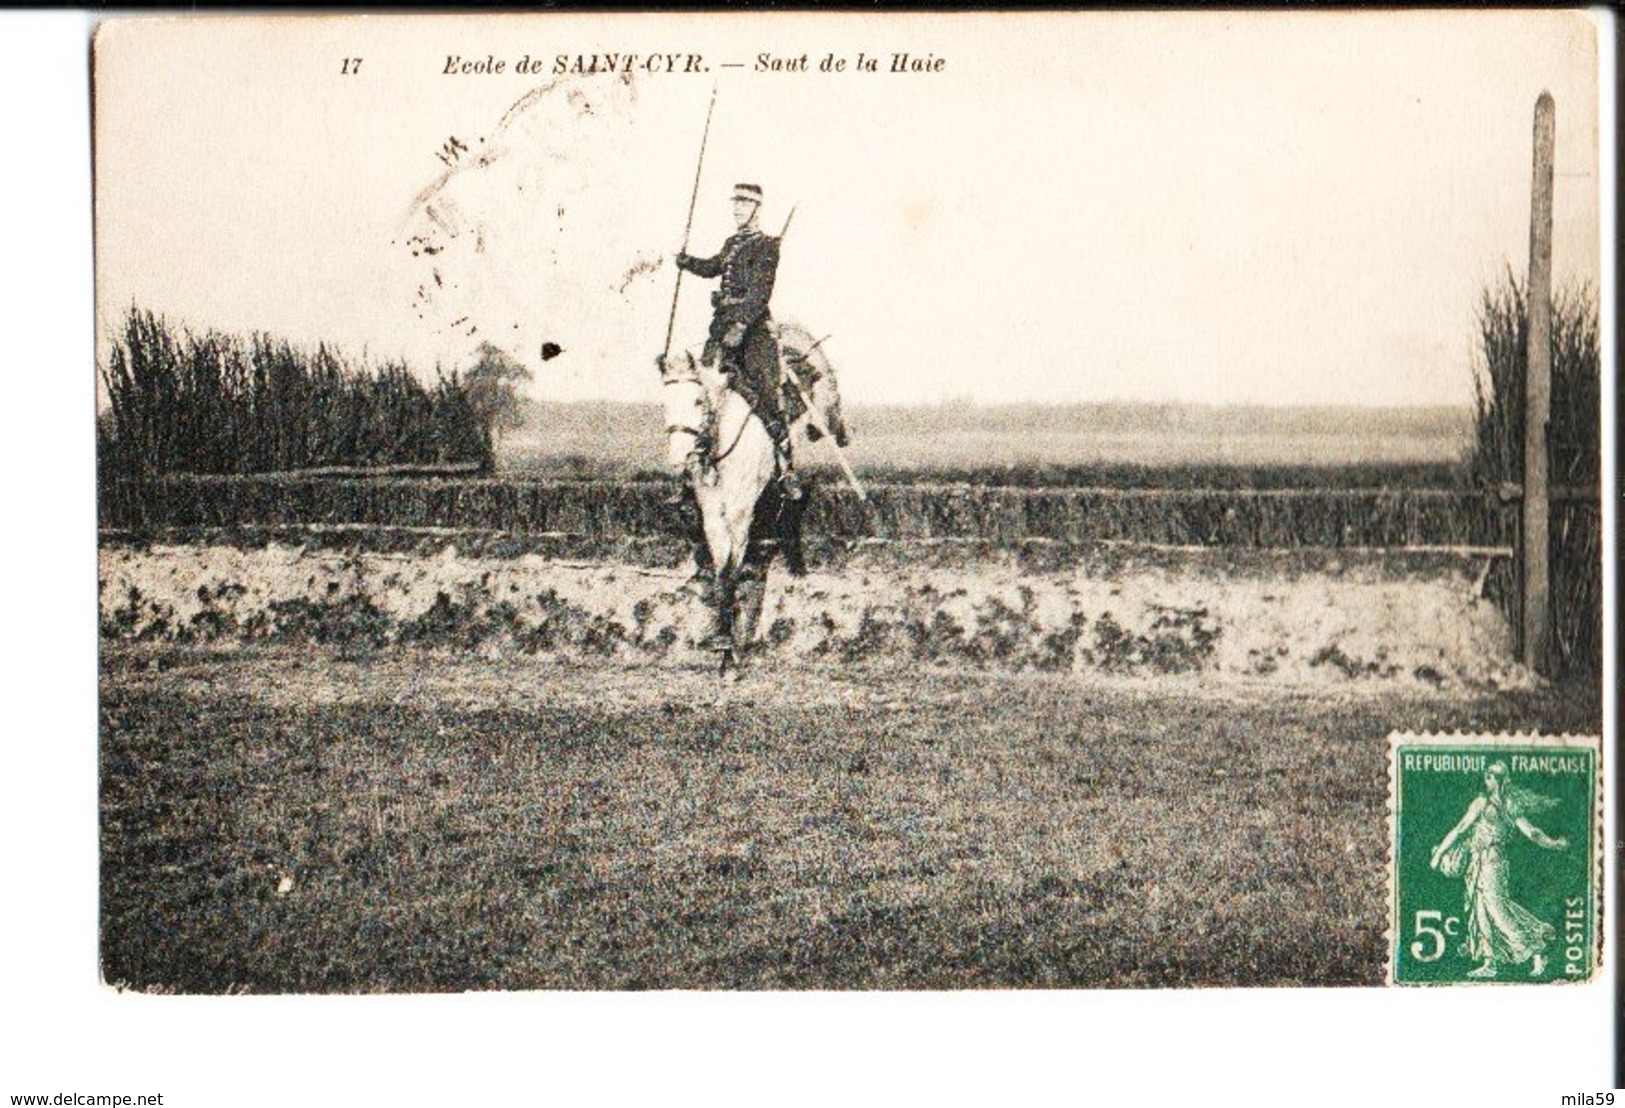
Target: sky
x,y
1217,208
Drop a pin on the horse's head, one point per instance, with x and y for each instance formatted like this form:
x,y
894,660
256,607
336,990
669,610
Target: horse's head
x,y
805,357
686,402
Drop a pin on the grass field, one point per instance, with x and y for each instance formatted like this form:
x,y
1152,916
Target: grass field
x,y
1115,445
310,811
314,819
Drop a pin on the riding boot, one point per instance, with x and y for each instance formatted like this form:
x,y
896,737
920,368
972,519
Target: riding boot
x,y
789,482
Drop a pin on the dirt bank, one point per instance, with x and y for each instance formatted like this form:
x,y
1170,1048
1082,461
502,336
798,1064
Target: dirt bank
x,y
1334,622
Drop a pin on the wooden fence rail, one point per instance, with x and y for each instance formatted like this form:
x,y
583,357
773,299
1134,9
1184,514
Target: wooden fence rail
x,y
1268,518
1481,523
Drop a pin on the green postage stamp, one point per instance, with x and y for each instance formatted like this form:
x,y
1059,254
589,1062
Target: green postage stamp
x,y
1494,875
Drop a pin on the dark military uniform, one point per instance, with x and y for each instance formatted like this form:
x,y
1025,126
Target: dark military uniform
x,y
747,263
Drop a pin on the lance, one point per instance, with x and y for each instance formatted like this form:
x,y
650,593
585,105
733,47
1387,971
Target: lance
x,y
693,197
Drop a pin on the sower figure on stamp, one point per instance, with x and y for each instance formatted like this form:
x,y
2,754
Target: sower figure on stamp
x,y
741,326
1500,931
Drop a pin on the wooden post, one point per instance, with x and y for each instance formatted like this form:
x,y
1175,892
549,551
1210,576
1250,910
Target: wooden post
x,y
1537,400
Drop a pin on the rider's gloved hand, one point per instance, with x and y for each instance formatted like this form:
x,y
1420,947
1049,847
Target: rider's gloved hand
x,y
734,336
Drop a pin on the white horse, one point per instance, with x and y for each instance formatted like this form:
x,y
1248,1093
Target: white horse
x,y
744,516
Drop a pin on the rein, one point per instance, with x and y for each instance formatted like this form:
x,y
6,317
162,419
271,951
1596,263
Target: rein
x,y
737,436
699,433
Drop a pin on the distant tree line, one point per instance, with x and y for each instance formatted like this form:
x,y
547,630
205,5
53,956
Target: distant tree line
x,y
177,401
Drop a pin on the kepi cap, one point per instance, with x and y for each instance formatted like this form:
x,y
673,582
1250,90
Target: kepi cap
x,y
752,193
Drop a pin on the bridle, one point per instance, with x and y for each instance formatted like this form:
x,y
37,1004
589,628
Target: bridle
x,y
692,377
689,378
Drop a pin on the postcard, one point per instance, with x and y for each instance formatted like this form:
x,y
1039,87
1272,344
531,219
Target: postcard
x,y
809,502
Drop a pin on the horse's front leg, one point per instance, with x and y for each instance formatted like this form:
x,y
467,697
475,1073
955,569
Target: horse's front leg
x,y
716,571
750,592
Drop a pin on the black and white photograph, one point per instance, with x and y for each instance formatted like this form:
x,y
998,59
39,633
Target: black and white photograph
x,y
682,510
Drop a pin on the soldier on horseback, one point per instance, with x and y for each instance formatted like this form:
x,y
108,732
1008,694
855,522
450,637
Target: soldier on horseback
x,y
740,502
741,326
